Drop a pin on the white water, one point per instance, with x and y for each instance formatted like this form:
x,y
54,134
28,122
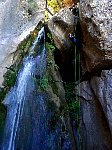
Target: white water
x,y
18,95
31,123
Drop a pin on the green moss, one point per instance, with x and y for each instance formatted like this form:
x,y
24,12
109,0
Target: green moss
x,y
73,102
52,68
2,108
51,65
44,81
10,78
72,107
2,116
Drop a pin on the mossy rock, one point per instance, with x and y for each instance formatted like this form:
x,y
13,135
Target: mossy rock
x,y
2,116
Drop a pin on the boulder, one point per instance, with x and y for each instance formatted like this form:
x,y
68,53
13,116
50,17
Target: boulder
x,y
96,28
95,94
60,25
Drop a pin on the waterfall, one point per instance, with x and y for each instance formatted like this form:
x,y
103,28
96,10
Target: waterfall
x,y
29,114
21,93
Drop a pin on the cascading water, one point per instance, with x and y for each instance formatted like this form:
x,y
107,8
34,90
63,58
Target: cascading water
x,y
27,122
22,100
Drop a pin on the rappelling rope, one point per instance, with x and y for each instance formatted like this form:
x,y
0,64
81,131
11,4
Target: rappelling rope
x,y
78,98
77,74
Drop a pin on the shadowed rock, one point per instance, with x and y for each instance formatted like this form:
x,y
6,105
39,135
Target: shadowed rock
x,y
60,26
95,94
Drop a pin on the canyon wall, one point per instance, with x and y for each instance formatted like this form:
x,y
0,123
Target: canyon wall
x,y
96,92
17,20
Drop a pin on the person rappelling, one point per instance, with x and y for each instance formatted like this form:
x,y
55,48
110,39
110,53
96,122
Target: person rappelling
x,y
77,42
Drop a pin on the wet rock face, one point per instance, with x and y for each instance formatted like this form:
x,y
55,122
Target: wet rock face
x,y
96,103
17,20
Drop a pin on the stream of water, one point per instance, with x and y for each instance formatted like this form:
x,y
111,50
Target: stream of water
x,y
19,100
27,122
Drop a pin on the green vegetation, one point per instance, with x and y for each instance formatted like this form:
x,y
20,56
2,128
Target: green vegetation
x,y
47,84
50,51
73,105
44,81
50,46
50,81
73,102
2,115
47,79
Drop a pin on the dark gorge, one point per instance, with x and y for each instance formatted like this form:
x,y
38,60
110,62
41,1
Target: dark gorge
x,y
55,75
